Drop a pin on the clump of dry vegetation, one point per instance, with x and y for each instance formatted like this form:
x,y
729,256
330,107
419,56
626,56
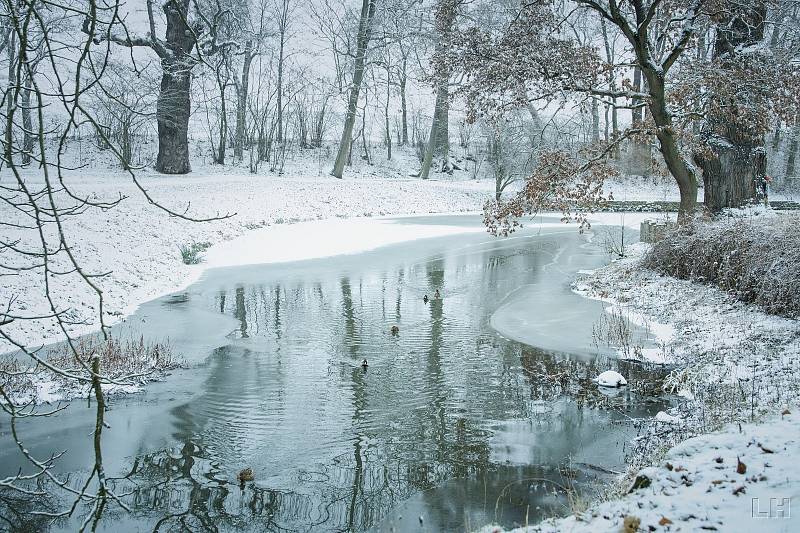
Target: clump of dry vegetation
x,y
133,361
756,259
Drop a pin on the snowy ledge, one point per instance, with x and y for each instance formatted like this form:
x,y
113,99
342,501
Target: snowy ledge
x,y
733,364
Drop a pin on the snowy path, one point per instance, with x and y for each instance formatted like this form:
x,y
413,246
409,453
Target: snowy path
x,y
137,244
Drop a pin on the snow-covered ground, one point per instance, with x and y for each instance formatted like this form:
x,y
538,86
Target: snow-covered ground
x,y
733,364
699,486
664,189
136,244
641,188
690,321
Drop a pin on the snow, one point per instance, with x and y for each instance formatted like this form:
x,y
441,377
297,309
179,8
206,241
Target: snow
x,y
684,318
666,418
138,243
737,370
311,240
642,188
610,378
629,220
47,390
697,486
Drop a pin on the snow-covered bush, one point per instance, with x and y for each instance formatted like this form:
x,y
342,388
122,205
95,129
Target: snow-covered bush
x,y
757,259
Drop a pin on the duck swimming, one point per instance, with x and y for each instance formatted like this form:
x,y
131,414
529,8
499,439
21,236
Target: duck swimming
x,y
245,475
436,295
425,298
364,364
395,330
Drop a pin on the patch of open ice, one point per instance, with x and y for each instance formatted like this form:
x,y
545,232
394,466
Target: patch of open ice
x,y
324,238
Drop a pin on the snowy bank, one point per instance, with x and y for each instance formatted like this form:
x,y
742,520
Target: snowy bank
x,y
688,320
743,478
315,239
738,372
136,245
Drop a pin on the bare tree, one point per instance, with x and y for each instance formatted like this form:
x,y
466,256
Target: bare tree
x,y
36,238
283,11
184,44
242,93
362,44
439,136
125,106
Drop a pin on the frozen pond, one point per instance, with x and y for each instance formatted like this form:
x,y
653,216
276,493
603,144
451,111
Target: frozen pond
x,y
479,410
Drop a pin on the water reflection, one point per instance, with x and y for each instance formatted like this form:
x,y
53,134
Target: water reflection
x,y
451,422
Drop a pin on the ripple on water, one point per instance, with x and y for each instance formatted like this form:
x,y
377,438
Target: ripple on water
x,y
447,414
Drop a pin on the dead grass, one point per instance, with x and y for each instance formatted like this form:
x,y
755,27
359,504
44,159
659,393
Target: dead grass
x,y
757,259
135,359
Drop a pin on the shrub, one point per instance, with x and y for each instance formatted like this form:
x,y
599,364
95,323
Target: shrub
x,y
132,360
191,253
755,259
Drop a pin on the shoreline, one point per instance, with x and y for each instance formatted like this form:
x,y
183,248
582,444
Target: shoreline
x,y
195,272
721,351
139,248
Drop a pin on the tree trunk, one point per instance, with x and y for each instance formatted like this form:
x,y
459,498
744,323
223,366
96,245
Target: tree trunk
x,y
319,128
668,143
434,134
173,110
28,138
386,115
223,123
279,136
241,104
126,145
12,81
364,31
792,155
443,121
639,153
636,112
439,136
174,101
734,166
733,174
595,121
403,106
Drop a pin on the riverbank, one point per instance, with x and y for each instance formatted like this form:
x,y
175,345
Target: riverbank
x,y
742,478
738,371
135,246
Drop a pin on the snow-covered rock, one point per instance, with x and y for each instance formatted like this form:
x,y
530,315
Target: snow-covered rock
x,y
610,378
661,416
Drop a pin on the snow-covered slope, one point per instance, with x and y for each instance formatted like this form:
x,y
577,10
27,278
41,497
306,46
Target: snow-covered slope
x,y
137,244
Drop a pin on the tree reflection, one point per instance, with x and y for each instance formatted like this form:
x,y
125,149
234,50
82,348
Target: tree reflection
x,y
337,449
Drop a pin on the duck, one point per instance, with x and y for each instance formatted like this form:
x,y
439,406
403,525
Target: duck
x,y
245,475
436,295
395,330
425,298
364,364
